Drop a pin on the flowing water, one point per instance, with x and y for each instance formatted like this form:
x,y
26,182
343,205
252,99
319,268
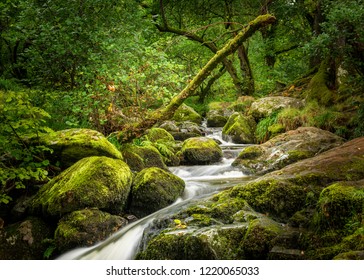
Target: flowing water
x,y
200,181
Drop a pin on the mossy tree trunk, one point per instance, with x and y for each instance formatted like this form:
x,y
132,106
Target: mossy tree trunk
x,y
231,47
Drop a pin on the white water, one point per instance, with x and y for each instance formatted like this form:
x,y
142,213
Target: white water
x,y
200,181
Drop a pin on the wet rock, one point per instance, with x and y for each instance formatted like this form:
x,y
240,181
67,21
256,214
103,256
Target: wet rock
x,y
264,107
153,189
85,228
25,240
186,113
92,182
285,149
239,129
201,150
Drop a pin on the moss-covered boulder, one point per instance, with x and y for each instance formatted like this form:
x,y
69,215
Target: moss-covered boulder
x,y
164,142
100,182
239,129
285,149
201,150
139,157
186,113
218,114
71,145
265,106
153,189
85,228
25,240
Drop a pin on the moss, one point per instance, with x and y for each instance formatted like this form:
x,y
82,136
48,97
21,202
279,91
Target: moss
x,y
278,198
155,134
177,247
340,204
239,129
201,150
140,157
186,113
276,129
154,189
318,89
351,255
92,182
251,152
258,239
85,228
71,145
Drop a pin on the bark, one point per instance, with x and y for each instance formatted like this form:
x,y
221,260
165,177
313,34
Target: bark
x,y
231,47
205,91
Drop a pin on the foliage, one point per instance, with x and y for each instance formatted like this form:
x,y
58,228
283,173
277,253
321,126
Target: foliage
x,y
22,158
262,130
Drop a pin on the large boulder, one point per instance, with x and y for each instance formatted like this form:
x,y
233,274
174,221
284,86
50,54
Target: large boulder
x,y
71,145
200,150
85,228
218,114
285,149
311,209
100,182
140,157
186,113
153,189
239,129
25,240
265,106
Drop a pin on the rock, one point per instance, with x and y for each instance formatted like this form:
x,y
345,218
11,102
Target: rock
x,y
140,157
182,130
265,106
25,240
169,126
285,149
153,189
201,150
249,221
100,182
186,113
85,228
352,255
164,142
239,129
71,145
218,114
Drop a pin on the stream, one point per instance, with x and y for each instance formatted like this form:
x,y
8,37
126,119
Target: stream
x,y
201,181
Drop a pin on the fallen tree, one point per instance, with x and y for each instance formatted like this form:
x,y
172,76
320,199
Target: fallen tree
x,y
162,114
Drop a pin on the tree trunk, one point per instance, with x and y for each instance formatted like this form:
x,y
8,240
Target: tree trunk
x,y
232,46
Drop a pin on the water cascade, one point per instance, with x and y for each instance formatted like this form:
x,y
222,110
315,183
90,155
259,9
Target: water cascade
x,y
201,181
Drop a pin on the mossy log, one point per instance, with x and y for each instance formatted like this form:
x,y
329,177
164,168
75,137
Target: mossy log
x,y
168,111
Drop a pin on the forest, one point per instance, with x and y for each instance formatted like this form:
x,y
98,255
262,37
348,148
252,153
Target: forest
x,y
102,101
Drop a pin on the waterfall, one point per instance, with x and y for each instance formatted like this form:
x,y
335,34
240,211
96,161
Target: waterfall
x,y
201,180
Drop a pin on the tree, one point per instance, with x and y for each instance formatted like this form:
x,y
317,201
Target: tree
x,y
231,47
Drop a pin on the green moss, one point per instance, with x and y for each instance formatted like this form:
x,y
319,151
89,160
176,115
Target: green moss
x,y
154,189
340,204
71,145
85,228
92,182
201,150
186,113
177,247
155,134
239,129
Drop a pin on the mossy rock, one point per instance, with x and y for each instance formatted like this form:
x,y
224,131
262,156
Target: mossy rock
x,y
218,114
201,150
25,240
239,129
85,228
285,149
100,182
71,145
140,157
340,204
265,106
186,113
352,255
153,189
158,134
177,247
